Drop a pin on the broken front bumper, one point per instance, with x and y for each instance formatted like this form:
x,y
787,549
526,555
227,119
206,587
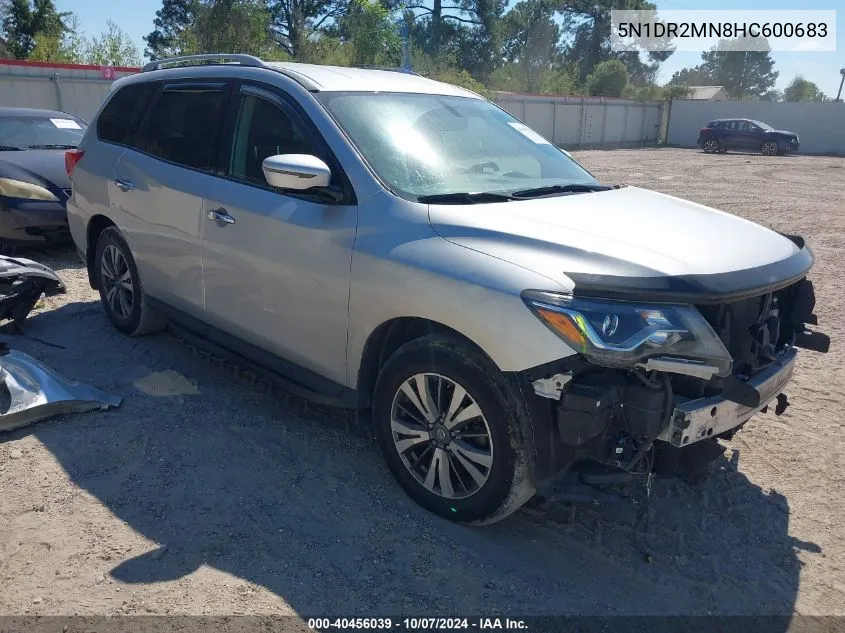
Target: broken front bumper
x,y
698,419
37,392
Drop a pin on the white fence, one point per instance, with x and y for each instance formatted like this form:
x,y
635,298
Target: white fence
x,y
819,126
69,88
586,122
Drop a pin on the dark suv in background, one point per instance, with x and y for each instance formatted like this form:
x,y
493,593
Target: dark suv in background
x,y
720,135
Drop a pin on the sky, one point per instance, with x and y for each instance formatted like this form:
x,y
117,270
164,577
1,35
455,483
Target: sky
x,y
136,18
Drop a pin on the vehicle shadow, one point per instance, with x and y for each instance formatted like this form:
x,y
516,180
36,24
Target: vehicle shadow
x,y
223,474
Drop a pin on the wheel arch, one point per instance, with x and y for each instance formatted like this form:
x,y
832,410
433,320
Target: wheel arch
x,y
389,336
96,225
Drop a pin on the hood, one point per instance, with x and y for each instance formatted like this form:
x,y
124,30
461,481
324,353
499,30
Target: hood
x,y
784,132
45,167
622,235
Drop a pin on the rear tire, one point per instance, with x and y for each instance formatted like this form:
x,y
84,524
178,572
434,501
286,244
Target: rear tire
x,y
476,442
712,146
121,291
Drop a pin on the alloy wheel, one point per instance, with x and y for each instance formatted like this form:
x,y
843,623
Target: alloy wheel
x,y
117,282
711,146
441,435
770,148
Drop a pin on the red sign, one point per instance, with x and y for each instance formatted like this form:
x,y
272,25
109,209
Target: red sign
x,y
107,72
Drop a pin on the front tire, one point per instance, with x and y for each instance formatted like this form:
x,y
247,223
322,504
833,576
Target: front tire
x,y
449,428
121,291
770,148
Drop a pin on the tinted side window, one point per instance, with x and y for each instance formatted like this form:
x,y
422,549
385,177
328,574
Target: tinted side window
x,y
263,129
184,124
120,120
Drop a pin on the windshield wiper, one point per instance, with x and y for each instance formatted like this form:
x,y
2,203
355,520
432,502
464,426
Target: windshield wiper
x,y
10,148
52,146
464,197
550,190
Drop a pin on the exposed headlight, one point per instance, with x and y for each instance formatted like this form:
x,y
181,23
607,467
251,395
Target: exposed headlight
x,y
621,334
20,189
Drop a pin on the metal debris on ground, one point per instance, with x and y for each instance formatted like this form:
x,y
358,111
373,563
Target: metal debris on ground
x,y
23,283
30,391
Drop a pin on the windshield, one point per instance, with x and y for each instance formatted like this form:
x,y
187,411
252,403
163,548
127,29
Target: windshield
x,y
762,125
431,145
28,132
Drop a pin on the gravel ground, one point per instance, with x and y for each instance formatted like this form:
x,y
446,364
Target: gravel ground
x,y
206,494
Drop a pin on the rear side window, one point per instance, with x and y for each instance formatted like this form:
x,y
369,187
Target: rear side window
x,y
184,124
120,121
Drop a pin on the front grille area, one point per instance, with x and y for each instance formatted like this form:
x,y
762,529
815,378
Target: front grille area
x,y
68,192
757,330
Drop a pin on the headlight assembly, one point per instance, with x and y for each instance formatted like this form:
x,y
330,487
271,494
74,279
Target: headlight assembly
x,y
27,190
622,334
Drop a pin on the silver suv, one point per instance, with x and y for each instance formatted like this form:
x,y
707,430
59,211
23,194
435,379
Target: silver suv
x,y
407,248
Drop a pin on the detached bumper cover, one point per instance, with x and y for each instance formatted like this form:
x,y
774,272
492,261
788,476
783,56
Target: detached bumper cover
x,y
699,419
37,392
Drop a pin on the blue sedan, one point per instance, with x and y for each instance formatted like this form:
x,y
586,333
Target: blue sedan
x,y
34,185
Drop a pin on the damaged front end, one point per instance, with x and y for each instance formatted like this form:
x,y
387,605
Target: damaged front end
x,y
657,382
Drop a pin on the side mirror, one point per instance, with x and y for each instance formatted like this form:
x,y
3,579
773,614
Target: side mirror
x,y
296,171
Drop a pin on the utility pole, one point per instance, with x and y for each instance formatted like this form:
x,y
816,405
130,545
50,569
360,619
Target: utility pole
x,y
405,31
841,81
406,47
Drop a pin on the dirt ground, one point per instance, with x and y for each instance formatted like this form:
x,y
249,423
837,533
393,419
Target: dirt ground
x,y
205,494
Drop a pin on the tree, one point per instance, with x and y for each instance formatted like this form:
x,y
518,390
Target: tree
x,y
445,68
800,89
608,79
68,48
228,26
587,24
372,35
23,21
772,95
742,73
531,42
675,92
469,29
691,77
653,92
293,22
170,23
113,47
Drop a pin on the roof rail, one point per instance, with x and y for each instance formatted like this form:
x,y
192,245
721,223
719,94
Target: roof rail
x,y
391,69
243,60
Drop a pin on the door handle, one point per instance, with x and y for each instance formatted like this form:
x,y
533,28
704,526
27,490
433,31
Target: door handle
x,y
221,216
125,184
